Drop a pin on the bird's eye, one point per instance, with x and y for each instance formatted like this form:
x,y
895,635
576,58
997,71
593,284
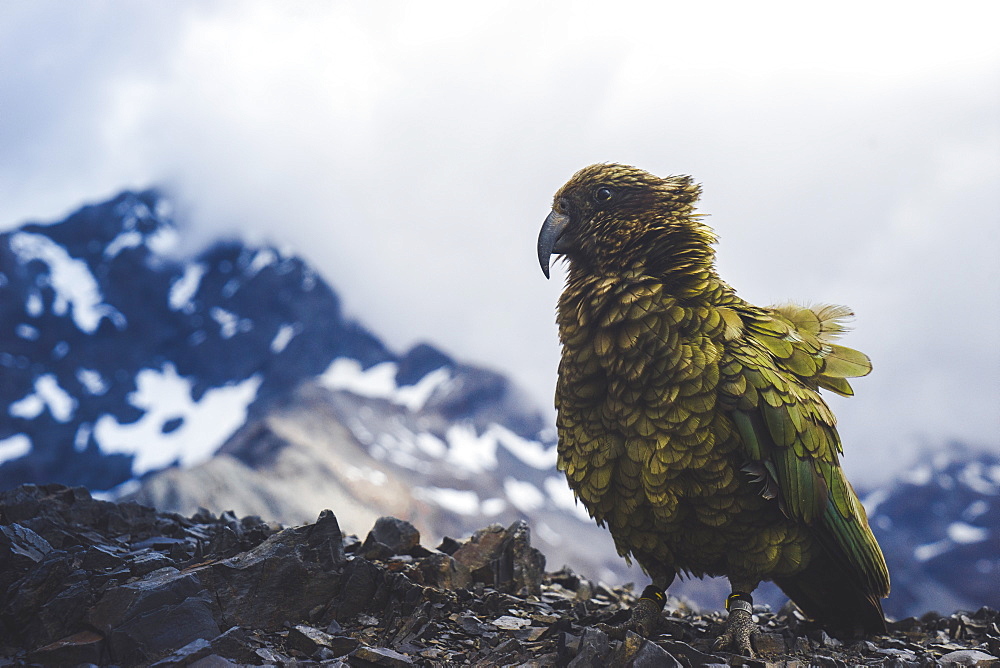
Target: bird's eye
x,y
603,194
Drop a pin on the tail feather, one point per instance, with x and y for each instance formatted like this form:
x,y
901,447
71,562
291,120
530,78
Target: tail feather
x,y
827,593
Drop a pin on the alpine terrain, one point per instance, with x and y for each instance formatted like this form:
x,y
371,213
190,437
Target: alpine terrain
x,y
232,380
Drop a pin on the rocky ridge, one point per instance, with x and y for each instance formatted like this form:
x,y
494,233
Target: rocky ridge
x,y
84,581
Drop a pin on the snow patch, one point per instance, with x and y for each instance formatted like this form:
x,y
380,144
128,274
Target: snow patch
x,y
963,533
976,477
164,395
263,258
975,509
163,240
82,436
344,373
379,382
127,239
431,445
414,397
27,408
469,451
70,278
919,476
928,551
14,447
230,324
183,289
399,449
366,473
47,393
523,495
562,496
993,473
118,491
493,506
27,332
532,453
92,381
476,453
284,337
33,305
460,501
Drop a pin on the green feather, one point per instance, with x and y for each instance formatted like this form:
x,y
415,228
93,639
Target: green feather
x,y
842,362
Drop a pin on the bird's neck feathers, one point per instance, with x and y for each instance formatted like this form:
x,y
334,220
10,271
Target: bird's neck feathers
x,y
680,249
675,247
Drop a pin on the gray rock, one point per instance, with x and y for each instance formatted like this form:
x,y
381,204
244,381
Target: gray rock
x,y
503,558
368,586
190,652
283,578
20,547
390,537
441,570
594,650
969,657
149,636
26,601
84,647
165,587
145,619
685,652
638,652
308,640
101,557
768,643
235,644
147,562
379,656
212,661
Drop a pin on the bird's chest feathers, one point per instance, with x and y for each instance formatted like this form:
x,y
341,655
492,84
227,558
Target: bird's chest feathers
x,y
632,349
639,425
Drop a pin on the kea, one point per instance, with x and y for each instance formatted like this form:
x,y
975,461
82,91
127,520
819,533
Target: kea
x,y
691,422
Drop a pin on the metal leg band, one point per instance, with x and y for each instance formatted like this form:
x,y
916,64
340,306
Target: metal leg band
x,y
739,601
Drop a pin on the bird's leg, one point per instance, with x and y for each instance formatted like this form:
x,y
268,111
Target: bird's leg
x,y
645,619
740,626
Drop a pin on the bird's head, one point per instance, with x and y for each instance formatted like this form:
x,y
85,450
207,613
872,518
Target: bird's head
x,y
612,218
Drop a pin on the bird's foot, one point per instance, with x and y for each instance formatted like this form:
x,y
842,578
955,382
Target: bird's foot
x,y
740,627
645,619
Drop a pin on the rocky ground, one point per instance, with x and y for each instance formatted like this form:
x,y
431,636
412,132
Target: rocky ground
x,y
89,582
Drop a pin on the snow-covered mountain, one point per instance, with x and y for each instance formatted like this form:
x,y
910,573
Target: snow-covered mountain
x,y
119,359
114,351
232,380
939,526
192,381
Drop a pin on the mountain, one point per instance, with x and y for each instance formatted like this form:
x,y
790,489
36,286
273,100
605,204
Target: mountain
x,y
232,380
939,526
119,359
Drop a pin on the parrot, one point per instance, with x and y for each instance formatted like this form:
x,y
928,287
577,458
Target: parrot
x,y
691,423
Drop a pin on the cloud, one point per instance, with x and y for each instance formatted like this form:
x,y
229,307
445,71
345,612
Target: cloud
x,y
410,151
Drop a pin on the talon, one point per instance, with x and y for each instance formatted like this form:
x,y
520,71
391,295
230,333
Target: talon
x,y
740,626
645,619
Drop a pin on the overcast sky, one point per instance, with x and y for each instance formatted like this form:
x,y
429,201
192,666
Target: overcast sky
x,y
849,152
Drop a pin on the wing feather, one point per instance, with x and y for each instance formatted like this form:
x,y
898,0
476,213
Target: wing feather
x,y
784,425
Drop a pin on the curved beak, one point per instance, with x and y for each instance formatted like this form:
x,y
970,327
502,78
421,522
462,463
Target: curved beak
x,y
548,238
